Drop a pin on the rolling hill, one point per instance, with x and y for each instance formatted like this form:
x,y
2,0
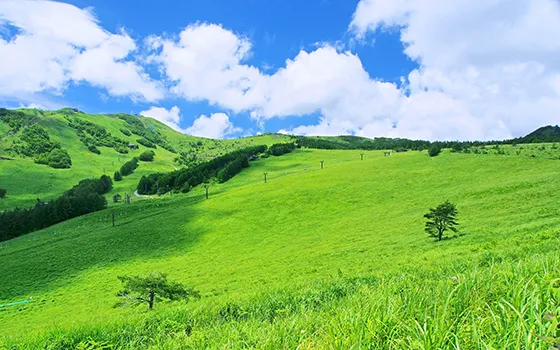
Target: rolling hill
x,y
314,258
25,180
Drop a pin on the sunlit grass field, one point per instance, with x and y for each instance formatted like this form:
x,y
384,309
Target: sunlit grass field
x,y
314,258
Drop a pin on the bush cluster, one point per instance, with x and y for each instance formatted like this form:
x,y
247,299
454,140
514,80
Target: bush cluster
x,y
146,143
36,143
58,158
281,148
93,136
126,132
148,133
15,119
129,167
85,197
147,156
435,149
184,179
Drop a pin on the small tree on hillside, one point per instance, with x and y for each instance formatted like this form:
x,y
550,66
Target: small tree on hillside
x,y
435,150
155,287
117,176
3,193
441,219
147,156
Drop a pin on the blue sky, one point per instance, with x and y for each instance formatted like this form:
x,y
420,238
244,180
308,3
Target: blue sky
x,y
224,68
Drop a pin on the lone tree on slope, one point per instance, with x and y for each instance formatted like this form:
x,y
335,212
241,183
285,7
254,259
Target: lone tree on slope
x,y
3,193
155,287
442,218
435,150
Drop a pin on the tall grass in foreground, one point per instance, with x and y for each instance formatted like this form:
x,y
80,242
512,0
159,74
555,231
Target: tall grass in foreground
x,y
483,304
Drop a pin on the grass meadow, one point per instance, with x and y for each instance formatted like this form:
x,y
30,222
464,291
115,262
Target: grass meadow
x,y
26,181
315,258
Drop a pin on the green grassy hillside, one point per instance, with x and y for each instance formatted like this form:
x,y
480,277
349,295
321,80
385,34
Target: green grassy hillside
x,y
26,181
315,258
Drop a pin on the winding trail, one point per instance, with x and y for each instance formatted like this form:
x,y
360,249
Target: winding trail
x,y
142,195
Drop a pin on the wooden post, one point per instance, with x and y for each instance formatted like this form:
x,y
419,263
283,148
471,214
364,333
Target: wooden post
x,y
322,164
265,173
113,215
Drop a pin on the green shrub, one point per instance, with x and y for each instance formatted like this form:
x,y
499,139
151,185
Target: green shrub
x,y
129,167
3,192
279,149
122,149
58,158
116,198
94,149
126,132
146,143
147,156
197,174
85,197
117,176
435,150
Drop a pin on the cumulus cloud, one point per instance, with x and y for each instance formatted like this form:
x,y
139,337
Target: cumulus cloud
x,y
216,126
57,43
170,117
206,62
487,68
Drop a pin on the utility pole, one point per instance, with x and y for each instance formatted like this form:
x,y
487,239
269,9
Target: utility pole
x,y
265,173
322,164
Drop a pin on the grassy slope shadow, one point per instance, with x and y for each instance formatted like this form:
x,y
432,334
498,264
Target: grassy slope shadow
x,y
58,253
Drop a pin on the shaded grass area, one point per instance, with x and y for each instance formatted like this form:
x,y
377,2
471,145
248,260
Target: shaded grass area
x,y
90,241
253,241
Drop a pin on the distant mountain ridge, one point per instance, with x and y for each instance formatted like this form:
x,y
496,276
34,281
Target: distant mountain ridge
x,y
544,134
548,130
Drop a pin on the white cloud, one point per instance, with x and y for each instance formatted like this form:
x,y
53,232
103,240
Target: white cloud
x,y
32,106
487,70
169,117
205,64
57,43
216,126
459,92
